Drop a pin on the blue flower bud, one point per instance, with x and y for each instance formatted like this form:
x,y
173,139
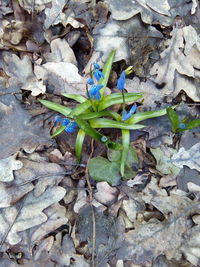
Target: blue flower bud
x,y
96,66
71,128
181,125
94,92
121,81
65,121
98,75
127,115
58,119
90,81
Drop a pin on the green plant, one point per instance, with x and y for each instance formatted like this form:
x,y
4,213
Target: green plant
x,y
92,112
180,125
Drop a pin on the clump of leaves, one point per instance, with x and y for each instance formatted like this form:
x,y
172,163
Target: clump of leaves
x,y
180,125
92,112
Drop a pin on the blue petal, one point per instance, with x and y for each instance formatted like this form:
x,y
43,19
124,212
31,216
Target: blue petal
x,y
71,127
121,81
58,119
94,91
98,75
65,121
90,81
96,66
133,109
126,115
181,125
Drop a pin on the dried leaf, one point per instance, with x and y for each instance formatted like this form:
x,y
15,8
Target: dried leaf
x,y
61,52
18,130
38,5
176,69
150,10
63,76
7,166
53,14
30,215
42,173
105,193
21,73
164,164
190,158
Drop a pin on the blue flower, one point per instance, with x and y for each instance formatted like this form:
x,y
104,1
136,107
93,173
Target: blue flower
x,y
65,121
71,128
90,81
121,81
58,119
181,125
96,66
98,74
126,115
94,92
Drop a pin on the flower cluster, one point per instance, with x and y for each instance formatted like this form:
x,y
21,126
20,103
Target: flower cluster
x,y
70,125
94,92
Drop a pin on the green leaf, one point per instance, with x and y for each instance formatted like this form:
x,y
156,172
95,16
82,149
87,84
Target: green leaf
x,y
106,70
79,144
174,119
100,169
125,143
190,125
146,115
55,106
107,123
102,113
84,125
114,99
78,98
58,131
81,108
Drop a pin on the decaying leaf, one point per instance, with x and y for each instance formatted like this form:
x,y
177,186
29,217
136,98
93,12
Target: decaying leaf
x,y
19,131
190,158
105,193
164,163
63,76
20,72
176,69
116,35
37,5
42,173
30,215
61,52
7,166
150,10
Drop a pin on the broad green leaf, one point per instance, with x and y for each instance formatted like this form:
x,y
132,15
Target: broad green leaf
x,y
125,143
107,123
79,144
114,99
84,125
81,108
78,98
114,155
106,70
147,115
101,169
58,131
190,125
173,117
103,113
55,106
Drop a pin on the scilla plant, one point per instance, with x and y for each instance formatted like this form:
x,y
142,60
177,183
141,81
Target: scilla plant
x,y
94,111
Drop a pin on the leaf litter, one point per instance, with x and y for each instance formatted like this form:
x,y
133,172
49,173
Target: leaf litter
x,y
46,214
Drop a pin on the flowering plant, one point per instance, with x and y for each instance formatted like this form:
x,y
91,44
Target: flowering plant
x,y
92,111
